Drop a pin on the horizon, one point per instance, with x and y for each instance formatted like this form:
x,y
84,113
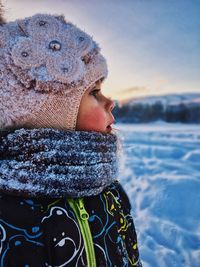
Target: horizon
x,y
142,97
161,94
152,48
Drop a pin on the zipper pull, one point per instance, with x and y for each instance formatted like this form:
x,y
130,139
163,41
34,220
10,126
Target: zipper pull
x,y
82,211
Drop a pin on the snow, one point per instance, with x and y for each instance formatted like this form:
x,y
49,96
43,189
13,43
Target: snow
x,y
162,178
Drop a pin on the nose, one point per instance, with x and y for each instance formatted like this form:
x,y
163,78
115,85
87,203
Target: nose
x,y
110,104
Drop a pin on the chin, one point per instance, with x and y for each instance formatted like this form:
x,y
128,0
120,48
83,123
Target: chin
x,y
108,129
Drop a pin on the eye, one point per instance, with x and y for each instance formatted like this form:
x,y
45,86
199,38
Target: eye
x,y
95,92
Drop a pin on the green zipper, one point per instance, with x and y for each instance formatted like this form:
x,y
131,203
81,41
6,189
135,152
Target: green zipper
x,y
82,216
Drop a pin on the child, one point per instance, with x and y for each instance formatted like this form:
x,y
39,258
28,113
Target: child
x,y
60,203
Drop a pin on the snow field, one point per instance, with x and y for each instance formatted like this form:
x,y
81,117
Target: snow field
x,y
161,175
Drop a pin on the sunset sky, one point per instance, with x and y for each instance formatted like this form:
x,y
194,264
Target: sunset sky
x,y
152,46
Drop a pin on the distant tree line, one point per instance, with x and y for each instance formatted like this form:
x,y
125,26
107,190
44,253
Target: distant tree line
x,y
139,113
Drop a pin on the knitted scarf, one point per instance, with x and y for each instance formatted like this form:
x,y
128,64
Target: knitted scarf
x,y
55,163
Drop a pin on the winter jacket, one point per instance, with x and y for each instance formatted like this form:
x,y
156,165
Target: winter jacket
x,y
38,230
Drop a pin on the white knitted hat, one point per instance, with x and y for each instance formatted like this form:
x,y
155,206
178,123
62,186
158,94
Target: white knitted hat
x,y
46,65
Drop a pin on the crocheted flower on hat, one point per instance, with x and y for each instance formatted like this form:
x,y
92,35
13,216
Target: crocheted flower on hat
x,y
51,50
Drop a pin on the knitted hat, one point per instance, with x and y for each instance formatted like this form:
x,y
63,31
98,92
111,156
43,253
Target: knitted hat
x,y
46,65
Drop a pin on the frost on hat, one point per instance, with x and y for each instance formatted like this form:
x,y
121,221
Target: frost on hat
x,y
46,65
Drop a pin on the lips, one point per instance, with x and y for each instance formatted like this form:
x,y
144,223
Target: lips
x,y
109,127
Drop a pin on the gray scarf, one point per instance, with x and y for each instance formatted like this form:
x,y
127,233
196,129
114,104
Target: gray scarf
x,y
55,163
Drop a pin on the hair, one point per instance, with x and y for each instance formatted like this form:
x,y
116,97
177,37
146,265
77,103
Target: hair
x,y
2,20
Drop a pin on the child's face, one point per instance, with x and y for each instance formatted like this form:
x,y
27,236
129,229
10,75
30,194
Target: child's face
x,y
95,111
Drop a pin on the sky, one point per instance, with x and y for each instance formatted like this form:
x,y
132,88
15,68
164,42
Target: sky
x,y
152,47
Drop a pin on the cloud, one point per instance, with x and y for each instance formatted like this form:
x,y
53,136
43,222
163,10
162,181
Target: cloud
x,y
160,81
134,89
131,92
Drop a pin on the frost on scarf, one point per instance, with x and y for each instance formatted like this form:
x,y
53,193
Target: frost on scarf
x,y
55,163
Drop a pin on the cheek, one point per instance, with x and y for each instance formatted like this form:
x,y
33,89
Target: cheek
x,y
94,119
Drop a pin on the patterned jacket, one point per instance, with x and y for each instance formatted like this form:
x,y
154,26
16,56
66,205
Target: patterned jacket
x,y
60,203
94,231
